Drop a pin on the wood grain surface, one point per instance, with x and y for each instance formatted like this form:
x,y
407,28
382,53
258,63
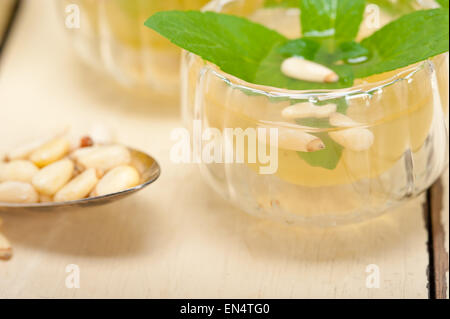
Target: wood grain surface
x,y
439,211
177,238
6,7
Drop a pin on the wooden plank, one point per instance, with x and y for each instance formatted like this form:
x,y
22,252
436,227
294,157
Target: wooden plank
x,y
177,238
439,227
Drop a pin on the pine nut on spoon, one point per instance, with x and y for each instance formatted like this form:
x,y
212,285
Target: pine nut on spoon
x,y
50,152
62,172
103,158
18,192
17,170
116,180
23,151
53,177
79,187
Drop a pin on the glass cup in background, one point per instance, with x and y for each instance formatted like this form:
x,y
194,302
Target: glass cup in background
x,y
112,37
405,110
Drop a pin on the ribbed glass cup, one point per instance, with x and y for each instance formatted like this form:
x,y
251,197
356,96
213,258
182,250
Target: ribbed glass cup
x,y
112,38
405,112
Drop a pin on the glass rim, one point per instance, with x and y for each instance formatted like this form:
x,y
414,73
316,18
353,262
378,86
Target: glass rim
x,y
359,91
320,94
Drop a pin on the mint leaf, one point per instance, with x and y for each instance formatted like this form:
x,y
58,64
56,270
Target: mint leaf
x,y
350,14
328,157
318,17
300,47
317,51
235,44
338,19
351,50
443,3
395,8
281,3
407,40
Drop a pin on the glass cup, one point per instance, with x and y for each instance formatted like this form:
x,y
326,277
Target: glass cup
x,y
112,37
404,112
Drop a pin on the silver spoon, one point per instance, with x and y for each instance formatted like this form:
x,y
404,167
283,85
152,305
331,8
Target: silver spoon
x,y
146,165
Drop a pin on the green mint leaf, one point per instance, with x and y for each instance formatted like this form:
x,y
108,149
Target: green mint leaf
x,y
317,51
318,17
443,3
300,47
281,3
328,157
350,14
350,51
235,44
338,19
412,38
395,8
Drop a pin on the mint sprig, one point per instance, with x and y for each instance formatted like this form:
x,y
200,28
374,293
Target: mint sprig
x,y
254,53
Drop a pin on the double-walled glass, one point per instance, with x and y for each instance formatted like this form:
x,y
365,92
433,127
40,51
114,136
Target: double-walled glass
x,y
112,37
405,112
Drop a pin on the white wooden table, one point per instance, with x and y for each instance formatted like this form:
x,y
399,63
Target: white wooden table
x,y
177,238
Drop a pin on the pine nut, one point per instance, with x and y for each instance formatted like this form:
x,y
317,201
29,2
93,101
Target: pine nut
x,y
355,139
297,140
5,248
24,151
18,192
50,152
117,180
341,120
53,177
308,110
18,170
80,152
103,158
301,69
79,187
101,134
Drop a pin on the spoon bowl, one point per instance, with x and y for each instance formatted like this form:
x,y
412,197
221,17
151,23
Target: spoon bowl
x,y
149,171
